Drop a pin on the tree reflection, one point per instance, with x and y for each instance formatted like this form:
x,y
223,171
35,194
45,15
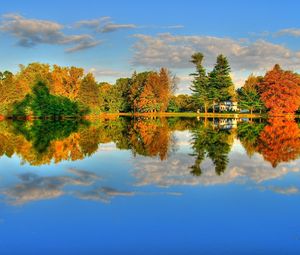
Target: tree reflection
x,y
248,133
43,141
212,142
279,141
42,132
151,137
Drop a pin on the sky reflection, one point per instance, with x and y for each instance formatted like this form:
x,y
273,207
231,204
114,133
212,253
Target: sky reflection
x,y
144,195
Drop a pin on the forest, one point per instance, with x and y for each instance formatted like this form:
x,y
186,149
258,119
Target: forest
x,y
44,91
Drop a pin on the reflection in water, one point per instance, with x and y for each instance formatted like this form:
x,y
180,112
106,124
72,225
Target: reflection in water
x,y
41,133
40,142
213,142
279,141
151,138
158,150
241,168
33,187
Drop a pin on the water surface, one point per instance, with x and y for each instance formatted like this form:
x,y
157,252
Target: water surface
x,y
150,186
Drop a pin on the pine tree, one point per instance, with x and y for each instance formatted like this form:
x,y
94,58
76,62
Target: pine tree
x,y
199,87
220,83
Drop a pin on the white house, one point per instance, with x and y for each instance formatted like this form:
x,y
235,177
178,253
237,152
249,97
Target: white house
x,y
228,106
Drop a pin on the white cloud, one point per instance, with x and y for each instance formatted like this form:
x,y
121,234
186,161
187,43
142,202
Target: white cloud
x,y
175,51
103,25
289,32
111,27
83,45
93,23
98,72
31,32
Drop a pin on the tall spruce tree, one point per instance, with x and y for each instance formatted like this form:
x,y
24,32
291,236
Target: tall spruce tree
x,y
220,83
200,86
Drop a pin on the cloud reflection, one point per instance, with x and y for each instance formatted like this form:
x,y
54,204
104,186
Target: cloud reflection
x,y
34,187
104,194
175,170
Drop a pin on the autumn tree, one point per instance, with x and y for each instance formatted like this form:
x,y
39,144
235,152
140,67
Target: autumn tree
x,y
88,93
66,81
59,78
9,93
148,101
151,91
165,89
280,91
138,82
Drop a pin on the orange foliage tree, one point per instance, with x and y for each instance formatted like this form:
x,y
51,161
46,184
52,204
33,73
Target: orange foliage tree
x,y
279,141
156,92
66,81
148,100
280,91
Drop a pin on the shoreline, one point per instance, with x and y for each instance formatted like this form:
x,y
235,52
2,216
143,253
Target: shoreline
x,y
158,115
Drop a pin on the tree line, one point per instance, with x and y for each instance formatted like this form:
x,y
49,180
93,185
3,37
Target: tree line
x,y
43,90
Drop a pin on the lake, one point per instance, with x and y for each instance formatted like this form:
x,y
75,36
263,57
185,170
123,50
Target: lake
x,y
150,186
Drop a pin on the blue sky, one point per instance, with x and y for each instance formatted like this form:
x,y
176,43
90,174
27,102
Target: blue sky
x,y
113,38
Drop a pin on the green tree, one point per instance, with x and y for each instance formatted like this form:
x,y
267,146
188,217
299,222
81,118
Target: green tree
x,y
249,96
42,104
88,93
220,83
201,92
123,86
182,103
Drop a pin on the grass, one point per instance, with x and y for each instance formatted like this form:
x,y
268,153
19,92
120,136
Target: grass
x,y
183,114
175,114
